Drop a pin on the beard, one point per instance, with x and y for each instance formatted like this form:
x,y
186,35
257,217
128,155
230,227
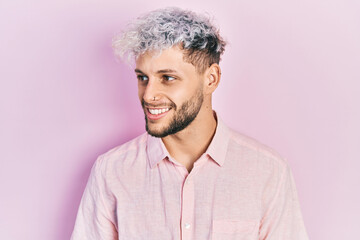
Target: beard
x,y
182,117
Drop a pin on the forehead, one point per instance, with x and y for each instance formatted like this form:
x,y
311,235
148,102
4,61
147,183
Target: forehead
x,y
171,58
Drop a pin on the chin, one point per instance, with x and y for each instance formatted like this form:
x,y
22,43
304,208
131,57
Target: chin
x,y
155,131
158,134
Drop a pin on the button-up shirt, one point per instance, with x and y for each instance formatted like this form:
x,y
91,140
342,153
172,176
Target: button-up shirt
x,y
238,189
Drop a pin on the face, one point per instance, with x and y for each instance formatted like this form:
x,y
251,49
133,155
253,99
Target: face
x,y
170,91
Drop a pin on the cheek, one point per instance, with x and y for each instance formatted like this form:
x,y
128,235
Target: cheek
x,y
185,92
177,94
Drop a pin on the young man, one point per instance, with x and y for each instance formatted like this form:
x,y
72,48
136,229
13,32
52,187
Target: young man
x,y
189,176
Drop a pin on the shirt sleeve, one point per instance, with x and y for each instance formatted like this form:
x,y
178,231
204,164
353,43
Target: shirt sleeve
x,y
282,219
94,220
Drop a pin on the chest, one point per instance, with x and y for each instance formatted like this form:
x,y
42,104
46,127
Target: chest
x,y
206,204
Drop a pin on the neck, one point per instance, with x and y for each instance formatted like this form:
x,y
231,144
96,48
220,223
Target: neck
x,y
189,144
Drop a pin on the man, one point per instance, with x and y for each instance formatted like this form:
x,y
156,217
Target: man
x,y
189,176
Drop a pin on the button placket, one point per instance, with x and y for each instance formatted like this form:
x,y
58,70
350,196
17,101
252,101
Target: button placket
x,y
187,209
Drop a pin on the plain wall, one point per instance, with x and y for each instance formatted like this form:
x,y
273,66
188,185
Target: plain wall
x,y
290,78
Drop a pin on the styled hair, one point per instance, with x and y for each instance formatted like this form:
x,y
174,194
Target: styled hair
x,y
163,28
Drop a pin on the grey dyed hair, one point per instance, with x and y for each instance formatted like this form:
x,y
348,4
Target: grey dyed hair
x,y
163,28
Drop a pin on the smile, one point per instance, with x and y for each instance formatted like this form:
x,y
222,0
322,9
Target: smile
x,y
158,110
156,113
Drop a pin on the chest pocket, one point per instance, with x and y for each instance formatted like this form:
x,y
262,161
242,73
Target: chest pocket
x,y
234,230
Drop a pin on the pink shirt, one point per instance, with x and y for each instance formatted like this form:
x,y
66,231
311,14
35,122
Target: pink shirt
x,y
238,189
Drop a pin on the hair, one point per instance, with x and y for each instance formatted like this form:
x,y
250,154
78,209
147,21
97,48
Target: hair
x,y
163,28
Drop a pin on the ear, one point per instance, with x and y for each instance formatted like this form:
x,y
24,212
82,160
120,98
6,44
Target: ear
x,y
212,78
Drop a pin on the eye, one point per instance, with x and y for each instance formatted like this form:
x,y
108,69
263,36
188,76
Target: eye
x,y
169,78
142,78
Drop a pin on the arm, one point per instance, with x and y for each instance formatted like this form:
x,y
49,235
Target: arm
x,y
94,219
282,218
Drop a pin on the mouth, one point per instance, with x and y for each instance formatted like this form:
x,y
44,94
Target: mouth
x,y
156,113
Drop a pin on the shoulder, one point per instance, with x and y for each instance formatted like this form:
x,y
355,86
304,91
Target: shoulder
x,y
132,145
123,154
256,150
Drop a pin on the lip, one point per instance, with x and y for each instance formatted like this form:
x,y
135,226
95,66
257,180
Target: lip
x,y
153,116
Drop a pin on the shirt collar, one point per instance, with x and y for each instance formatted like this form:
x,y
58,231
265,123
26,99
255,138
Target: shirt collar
x,y
156,150
218,147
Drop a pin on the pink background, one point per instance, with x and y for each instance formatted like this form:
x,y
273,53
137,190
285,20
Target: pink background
x,y
290,79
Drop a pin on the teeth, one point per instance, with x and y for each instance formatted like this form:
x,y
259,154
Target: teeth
x,y
158,111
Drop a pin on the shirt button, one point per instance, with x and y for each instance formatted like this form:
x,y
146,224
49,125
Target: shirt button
x,y
187,225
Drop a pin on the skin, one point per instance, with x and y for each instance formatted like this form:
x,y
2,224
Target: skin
x,y
173,89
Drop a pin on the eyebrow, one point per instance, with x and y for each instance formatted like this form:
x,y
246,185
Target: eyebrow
x,y
159,71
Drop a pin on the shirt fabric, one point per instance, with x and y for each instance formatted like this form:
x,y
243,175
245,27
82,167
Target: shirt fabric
x,y
238,189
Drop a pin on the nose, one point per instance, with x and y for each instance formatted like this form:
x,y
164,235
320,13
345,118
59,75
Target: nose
x,y
152,91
